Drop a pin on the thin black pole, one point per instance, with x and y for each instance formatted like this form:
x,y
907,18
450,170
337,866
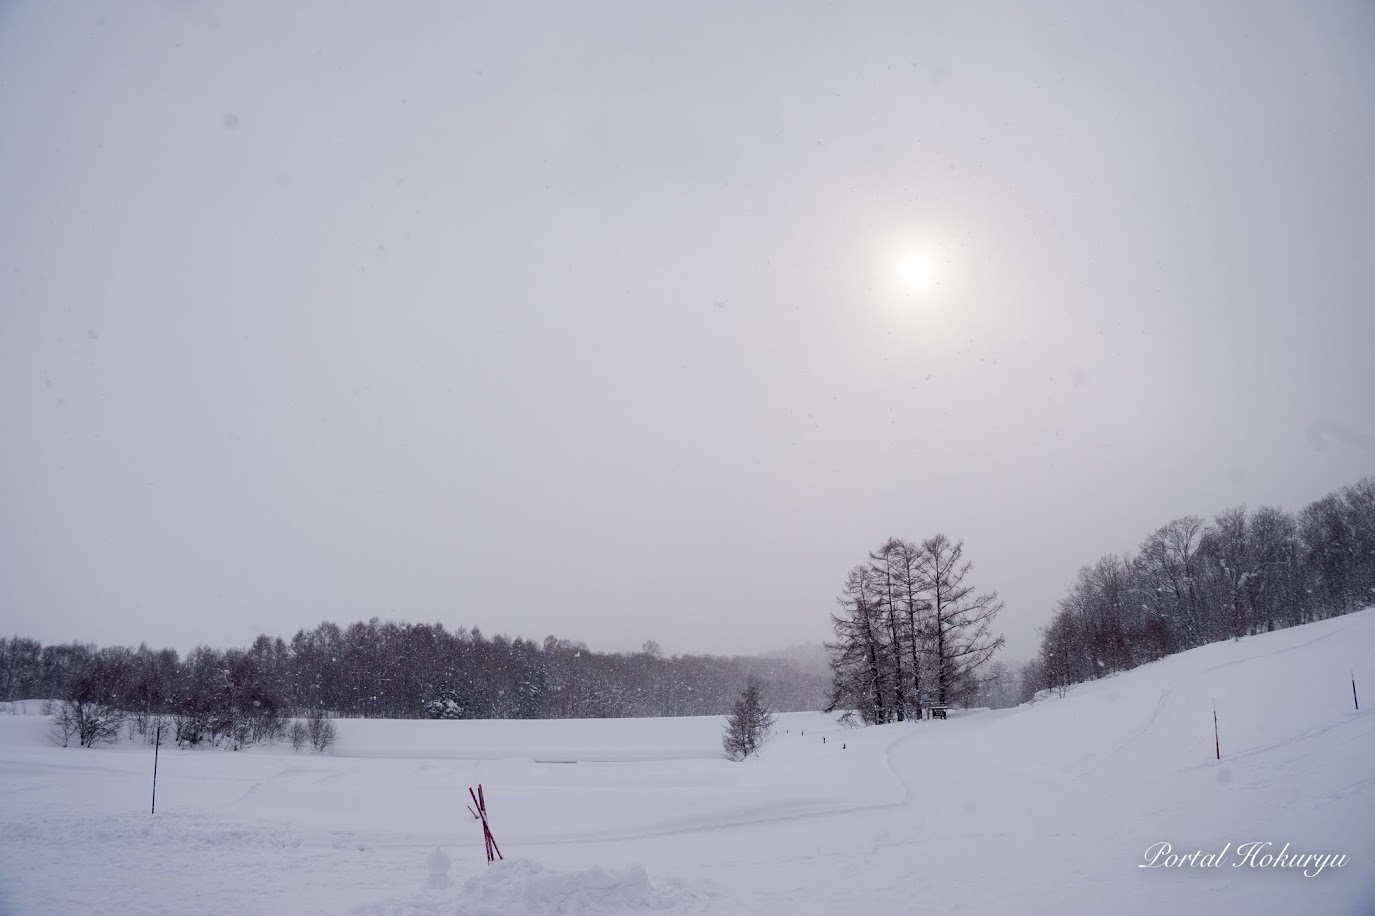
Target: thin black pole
x,y
157,743
1217,741
1354,698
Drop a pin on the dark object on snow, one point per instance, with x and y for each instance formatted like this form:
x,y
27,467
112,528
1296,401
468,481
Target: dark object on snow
x,y
493,853
750,723
938,712
157,746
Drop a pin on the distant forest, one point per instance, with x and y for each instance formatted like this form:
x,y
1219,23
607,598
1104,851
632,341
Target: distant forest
x,y
388,670
910,632
1194,582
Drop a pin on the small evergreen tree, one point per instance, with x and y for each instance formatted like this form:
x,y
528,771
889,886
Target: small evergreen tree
x,y
750,723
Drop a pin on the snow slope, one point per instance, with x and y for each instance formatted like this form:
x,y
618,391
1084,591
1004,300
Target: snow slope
x,y
1047,808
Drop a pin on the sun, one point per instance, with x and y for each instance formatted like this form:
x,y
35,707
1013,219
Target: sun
x,y
917,270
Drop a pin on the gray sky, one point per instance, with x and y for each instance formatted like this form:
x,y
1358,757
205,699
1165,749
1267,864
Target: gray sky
x,y
588,319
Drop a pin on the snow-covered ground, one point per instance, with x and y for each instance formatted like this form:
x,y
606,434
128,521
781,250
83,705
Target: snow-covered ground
x,y
1050,808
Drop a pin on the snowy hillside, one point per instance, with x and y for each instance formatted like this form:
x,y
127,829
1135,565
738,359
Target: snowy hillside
x,y
1051,807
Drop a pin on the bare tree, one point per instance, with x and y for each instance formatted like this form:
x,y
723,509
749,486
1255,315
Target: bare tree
x,y
321,731
90,722
1338,535
1168,578
961,621
1229,565
90,708
886,567
63,727
1275,592
916,613
998,686
859,682
298,734
1063,658
1099,608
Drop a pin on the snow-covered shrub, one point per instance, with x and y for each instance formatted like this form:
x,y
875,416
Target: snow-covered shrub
x,y
446,704
191,727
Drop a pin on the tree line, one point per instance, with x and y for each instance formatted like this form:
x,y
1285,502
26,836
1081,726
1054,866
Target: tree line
x,y
1193,582
911,632
388,670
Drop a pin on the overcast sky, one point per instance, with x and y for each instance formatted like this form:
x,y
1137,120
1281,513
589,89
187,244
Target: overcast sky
x,y
629,321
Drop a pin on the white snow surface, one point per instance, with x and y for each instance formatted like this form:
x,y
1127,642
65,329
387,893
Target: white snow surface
x,y
1048,808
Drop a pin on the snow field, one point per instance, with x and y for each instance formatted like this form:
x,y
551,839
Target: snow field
x,y
1046,808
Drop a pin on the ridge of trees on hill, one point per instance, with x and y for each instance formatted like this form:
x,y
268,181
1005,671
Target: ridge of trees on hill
x,y
1194,582
237,697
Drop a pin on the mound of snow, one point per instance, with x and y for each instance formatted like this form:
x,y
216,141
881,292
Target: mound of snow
x,y
525,888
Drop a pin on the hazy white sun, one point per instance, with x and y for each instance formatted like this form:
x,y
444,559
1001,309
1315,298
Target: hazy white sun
x,y
916,270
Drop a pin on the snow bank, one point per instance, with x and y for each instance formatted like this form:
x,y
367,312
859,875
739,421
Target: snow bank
x,y
526,888
185,832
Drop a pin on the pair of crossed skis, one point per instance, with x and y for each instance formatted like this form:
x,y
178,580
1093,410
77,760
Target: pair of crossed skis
x,y
493,853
